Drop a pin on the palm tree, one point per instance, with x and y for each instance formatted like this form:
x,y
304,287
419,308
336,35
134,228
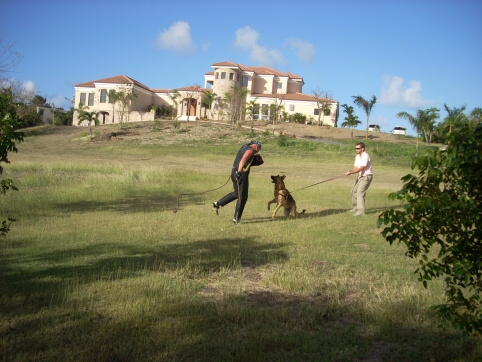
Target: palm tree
x,y
249,108
423,122
89,117
455,116
415,121
174,95
276,109
428,125
366,105
351,120
475,117
208,100
235,99
113,99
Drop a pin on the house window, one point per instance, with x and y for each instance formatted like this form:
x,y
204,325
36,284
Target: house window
x,y
279,85
292,107
317,112
223,75
264,111
245,82
231,76
256,111
216,75
82,99
91,99
103,96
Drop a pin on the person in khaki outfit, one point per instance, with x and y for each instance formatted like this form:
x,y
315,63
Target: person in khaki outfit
x,y
363,167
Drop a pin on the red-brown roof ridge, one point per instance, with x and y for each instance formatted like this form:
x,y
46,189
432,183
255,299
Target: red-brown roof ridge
x,y
292,97
117,79
260,70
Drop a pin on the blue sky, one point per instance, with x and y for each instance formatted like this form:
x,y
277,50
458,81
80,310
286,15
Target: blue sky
x,y
410,54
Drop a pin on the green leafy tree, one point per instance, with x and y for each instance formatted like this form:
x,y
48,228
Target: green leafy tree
x,y
113,99
8,136
208,100
440,224
63,118
249,111
366,105
455,119
299,118
173,96
423,122
323,104
351,120
124,96
40,101
235,100
475,117
275,109
89,117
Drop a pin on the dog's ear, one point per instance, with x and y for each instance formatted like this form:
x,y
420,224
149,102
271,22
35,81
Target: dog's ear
x,y
283,177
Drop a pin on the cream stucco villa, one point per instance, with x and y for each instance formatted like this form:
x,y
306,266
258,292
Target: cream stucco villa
x,y
266,89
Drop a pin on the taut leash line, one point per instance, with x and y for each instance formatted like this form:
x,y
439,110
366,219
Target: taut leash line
x,y
330,179
198,193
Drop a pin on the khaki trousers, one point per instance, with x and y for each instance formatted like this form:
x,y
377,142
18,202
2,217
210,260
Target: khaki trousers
x,y
359,192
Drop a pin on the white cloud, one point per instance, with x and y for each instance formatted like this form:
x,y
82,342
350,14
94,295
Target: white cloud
x,y
206,46
304,50
396,93
29,86
177,39
60,102
247,39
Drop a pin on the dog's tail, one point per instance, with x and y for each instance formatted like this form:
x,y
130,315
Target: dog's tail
x,y
299,214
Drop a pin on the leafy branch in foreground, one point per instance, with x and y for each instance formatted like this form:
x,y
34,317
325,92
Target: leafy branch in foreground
x,y
8,123
440,224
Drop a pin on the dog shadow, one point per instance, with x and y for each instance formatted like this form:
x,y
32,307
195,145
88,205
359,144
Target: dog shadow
x,y
307,215
324,213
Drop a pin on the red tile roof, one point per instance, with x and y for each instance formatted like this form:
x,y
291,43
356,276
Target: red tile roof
x,y
256,70
292,97
118,79
191,88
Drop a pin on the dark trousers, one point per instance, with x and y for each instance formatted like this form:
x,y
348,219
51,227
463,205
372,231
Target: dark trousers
x,y
240,193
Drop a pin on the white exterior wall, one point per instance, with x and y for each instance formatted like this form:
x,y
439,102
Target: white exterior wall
x,y
139,105
257,84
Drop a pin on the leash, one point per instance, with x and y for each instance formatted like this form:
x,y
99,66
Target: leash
x,y
238,204
198,193
330,179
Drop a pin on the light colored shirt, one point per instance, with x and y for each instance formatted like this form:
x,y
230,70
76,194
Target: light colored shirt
x,y
364,160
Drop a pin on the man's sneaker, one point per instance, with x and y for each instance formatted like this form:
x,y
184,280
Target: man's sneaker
x,y
352,210
216,207
358,214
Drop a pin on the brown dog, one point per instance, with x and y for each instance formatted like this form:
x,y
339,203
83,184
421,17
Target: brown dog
x,y
282,197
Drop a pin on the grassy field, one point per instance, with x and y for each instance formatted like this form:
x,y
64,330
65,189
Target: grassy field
x,y
97,267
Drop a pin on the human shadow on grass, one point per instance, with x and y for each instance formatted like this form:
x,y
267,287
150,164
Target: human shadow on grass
x,y
155,202
26,290
258,322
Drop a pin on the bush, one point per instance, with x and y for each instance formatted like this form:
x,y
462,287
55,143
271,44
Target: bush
x,y
299,118
441,212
